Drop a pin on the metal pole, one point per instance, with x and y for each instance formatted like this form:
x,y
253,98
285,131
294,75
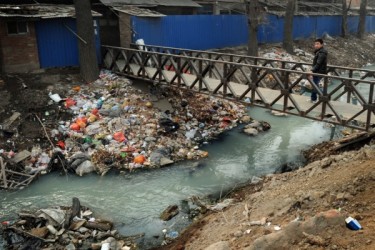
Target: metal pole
x,y
80,38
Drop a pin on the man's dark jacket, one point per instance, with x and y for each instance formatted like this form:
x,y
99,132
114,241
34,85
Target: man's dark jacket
x,y
320,61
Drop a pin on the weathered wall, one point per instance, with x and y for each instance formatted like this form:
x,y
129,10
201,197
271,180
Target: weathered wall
x,y
125,30
18,53
109,27
354,4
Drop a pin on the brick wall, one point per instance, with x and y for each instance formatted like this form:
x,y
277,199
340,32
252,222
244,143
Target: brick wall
x,y
18,53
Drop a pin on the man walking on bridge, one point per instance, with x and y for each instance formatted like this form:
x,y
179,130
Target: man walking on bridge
x,y
319,66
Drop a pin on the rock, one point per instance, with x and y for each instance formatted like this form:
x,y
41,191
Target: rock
x,y
222,205
157,155
165,161
265,126
238,234
340,196
83,230
297,231
169,212
221,245
245,119
314,239
326,162
255,180
250,131
70,246
254,124
150,138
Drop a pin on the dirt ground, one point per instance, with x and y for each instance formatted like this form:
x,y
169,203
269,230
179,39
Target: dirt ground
x,y
28,95
346,184
283,211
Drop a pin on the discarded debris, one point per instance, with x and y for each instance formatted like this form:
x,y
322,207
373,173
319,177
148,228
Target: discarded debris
x,y
117,126
63,228
222,205
11,179
169,212
352,223
6,125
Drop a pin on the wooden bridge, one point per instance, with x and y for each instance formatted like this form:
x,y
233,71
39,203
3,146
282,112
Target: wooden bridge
x,y
346,97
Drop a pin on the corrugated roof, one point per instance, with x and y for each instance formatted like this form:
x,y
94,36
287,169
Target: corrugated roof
x,y
39,11
135,11
181,3
174,3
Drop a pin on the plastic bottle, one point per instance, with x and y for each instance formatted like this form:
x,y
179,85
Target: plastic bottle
x,y
99,104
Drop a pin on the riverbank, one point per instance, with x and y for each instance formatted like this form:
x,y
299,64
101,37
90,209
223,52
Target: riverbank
x,y
304,209
307,208
36,103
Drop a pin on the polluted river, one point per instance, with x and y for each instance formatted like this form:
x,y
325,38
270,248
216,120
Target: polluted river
x,y
134,201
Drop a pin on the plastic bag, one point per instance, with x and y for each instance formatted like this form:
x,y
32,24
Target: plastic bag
x,y
119,136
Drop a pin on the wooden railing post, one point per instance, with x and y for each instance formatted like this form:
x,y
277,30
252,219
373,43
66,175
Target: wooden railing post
x,y
3,174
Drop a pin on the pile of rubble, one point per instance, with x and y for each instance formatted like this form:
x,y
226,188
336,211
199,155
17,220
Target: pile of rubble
x,y
62,227
115,125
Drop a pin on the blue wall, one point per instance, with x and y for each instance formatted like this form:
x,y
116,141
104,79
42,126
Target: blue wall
x,y
193,32
217,31
57,46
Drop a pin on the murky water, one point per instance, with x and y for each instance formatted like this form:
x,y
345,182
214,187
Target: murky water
x,y
135,201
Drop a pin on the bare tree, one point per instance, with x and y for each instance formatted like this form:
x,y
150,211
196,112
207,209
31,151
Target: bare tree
x,y
253,11
362,19
344,23
86,42
288,26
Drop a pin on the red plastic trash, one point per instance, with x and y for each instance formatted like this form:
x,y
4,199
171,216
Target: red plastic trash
x,y
119,136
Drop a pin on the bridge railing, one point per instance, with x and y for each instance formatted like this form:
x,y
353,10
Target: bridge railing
x,y
246,79
262,61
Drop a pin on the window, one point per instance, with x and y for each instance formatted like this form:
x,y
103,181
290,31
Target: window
x,y
15,28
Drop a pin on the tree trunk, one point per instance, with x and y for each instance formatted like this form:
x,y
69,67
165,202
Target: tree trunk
x,y
288,26
253,14
344,23
362,19
86,41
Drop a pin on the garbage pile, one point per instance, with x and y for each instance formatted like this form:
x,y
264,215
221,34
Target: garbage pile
x,y
116,125
61,227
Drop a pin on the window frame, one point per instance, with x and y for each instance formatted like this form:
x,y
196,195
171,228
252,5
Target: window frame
x,y
18,32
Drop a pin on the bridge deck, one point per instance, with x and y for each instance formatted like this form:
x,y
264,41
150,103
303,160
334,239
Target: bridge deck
x,y
346,110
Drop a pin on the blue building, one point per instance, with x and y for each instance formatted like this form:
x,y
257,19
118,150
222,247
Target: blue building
x,y
39,36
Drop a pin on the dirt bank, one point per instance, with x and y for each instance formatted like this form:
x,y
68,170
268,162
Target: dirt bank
x,y
305,209
282,211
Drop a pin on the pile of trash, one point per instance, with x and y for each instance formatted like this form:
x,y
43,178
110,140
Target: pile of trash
x,y
62,227
116,125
